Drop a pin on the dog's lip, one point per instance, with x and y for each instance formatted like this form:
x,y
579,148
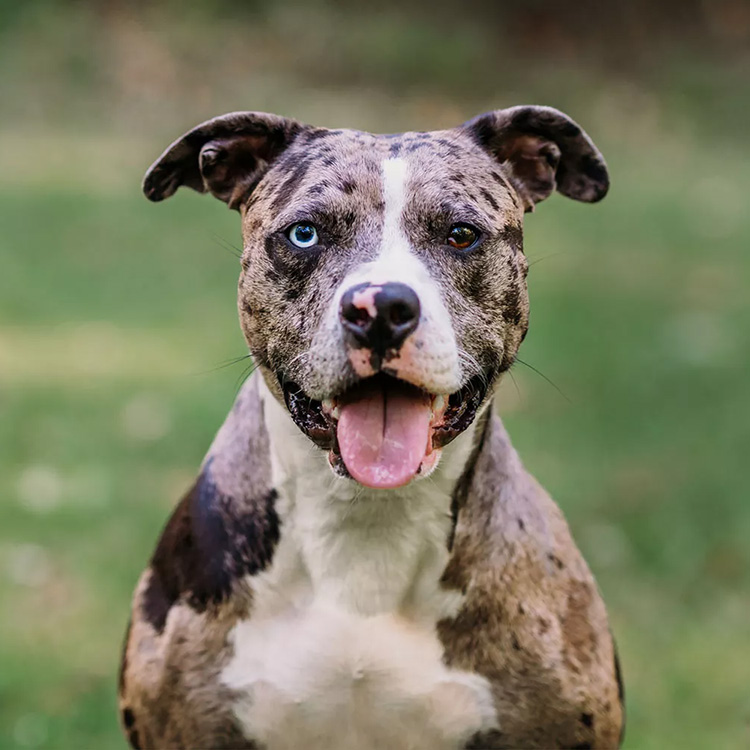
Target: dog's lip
x,y
451,413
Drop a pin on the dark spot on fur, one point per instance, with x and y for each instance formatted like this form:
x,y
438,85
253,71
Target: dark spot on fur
x,y
559,564
291,267
544,625
329,161
454,518
134,739
521,524
317,134
395,148
124,660
587,720
460,495
292,293
128,718
483,131
582,746
157,602
286,189
618,677
512,306
514,642
316,189
348,218
207,545
620,690
348,187
488,197
485,740
449,146
512,235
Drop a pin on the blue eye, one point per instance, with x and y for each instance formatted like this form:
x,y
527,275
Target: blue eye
x,y
302,235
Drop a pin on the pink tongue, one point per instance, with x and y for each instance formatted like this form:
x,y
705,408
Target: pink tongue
x,y
383,434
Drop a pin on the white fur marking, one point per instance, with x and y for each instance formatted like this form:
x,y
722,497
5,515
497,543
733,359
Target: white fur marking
x,y
340,650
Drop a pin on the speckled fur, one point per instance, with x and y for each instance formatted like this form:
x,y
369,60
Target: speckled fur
x,y
531,622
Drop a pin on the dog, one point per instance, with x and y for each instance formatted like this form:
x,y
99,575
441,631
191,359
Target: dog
x,y
363,563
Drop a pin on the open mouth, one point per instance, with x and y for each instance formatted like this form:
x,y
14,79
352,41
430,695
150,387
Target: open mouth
x,y
382,431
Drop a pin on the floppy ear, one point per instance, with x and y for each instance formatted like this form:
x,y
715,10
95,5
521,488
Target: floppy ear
x,y
543,149
225,156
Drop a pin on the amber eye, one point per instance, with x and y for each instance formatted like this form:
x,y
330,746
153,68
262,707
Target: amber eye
x,y
462,236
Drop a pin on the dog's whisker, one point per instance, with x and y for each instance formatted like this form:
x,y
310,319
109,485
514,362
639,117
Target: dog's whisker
x,y
542,375
228,363
544,257
287,368
474,368
244,375
228,246
518,390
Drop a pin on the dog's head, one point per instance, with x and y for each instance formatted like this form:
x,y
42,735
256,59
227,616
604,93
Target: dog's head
x,y
383,286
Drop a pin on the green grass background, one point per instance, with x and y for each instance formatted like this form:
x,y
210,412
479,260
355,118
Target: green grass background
x,y
114,314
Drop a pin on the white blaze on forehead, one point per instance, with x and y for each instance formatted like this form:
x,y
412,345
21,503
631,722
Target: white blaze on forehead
x,y
395,173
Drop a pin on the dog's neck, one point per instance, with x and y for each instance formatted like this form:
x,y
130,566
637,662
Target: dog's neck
x,y
369,550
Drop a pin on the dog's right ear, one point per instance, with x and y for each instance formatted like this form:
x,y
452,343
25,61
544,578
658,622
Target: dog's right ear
x,y
225,156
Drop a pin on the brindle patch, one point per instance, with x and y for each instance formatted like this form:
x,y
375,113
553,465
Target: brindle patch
x,y
205,548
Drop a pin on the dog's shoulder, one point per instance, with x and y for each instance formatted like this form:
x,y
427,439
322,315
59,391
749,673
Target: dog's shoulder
x,y
533,621
194,590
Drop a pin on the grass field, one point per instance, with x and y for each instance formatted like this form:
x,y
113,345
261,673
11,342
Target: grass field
x,y
115,314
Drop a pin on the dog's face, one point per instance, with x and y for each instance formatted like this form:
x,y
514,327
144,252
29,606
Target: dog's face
x,y
383,286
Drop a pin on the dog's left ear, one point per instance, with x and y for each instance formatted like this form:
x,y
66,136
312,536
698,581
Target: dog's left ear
x,y
544,150
226,156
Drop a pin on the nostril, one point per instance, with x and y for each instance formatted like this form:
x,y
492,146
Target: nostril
x,y
357,316
401,314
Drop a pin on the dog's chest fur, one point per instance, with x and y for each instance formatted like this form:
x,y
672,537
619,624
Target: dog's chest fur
x,y
341,649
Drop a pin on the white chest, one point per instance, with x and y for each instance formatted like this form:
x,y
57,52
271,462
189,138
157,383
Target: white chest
x,y
340,651
323,679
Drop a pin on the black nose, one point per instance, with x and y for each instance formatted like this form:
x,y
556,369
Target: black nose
x,y
380,317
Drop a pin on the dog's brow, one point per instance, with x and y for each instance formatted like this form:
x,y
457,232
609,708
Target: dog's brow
x,y
456,212
304,211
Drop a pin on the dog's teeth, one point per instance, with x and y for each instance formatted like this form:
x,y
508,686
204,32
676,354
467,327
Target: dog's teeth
x,y
438,402
331,408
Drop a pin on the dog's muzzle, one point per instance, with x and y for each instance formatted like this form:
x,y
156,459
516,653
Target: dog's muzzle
x,y
385,426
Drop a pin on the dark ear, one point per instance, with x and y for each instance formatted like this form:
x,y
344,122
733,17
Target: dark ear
x,y
225,156
544,149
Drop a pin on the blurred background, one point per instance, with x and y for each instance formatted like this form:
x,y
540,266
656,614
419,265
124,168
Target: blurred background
x,y
115,313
